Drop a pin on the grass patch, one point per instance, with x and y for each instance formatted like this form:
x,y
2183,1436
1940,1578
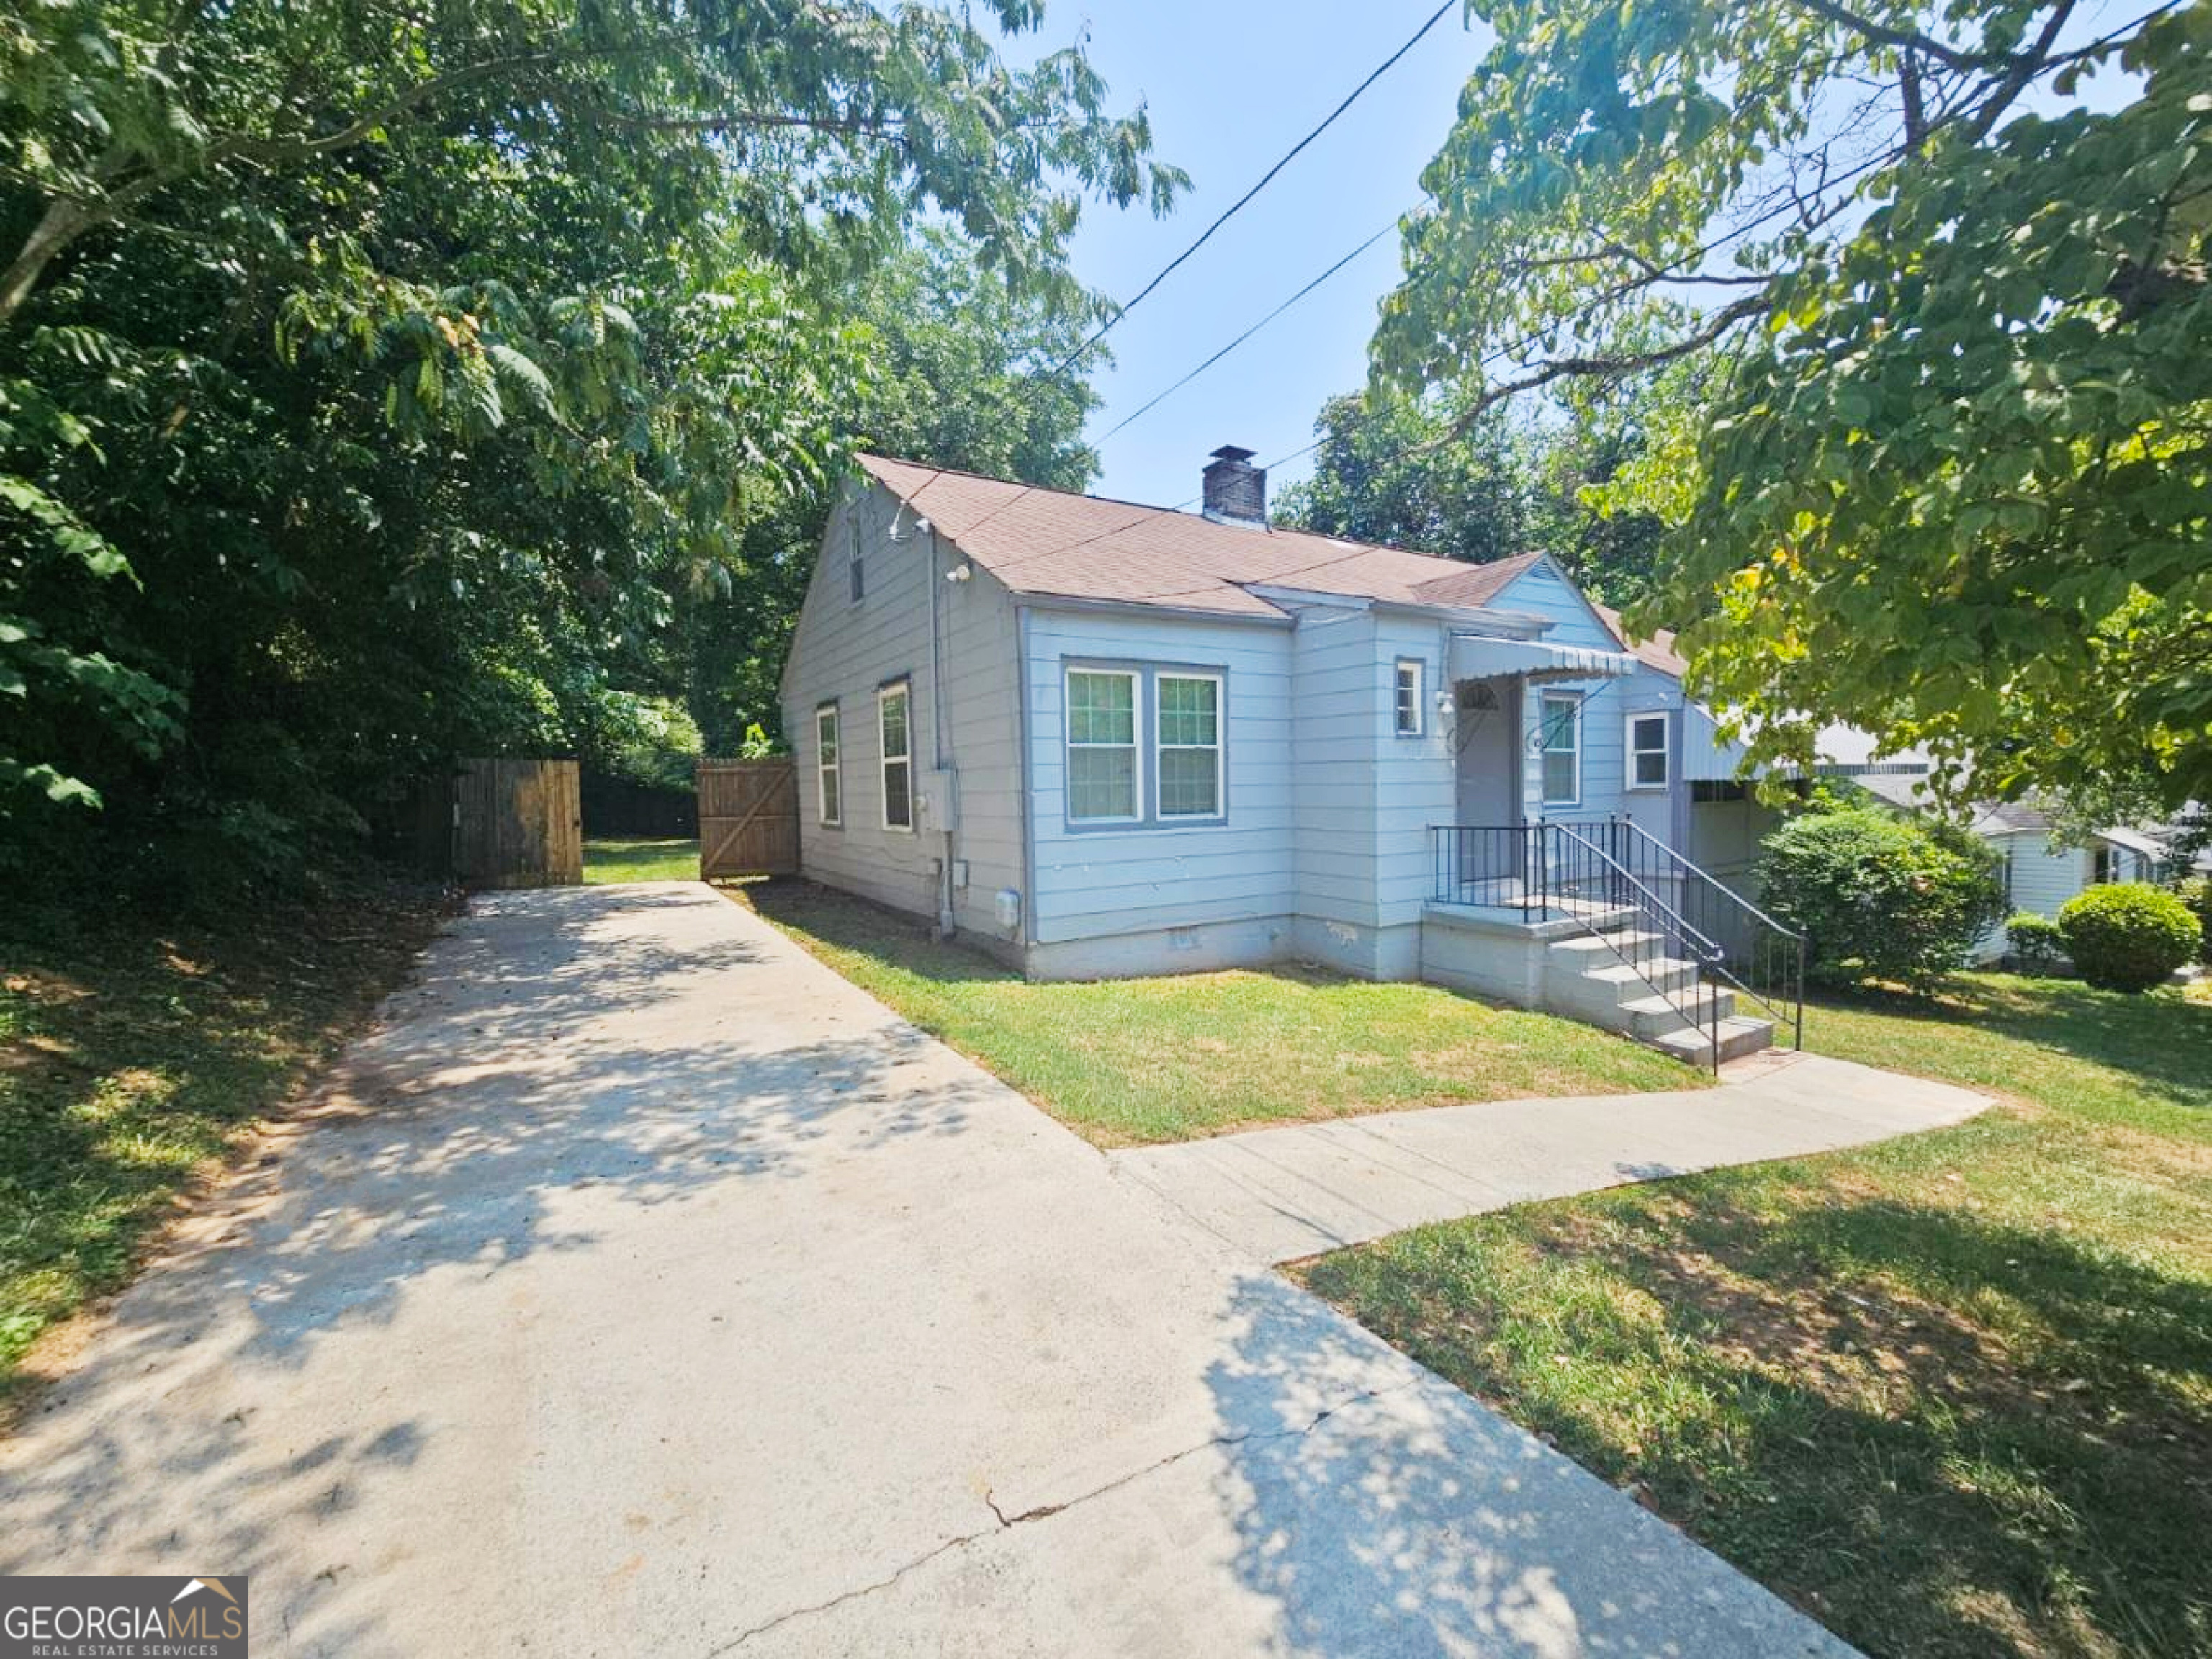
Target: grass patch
x,y
132,1059
641,858
1127,1062
1952,1395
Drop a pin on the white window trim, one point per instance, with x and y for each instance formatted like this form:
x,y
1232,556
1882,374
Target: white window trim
x,y
902,690
1543,703
1221,747
831,770
1665,751
1068,744
1420,725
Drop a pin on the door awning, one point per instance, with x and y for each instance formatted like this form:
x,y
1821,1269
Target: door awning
x,y
1479,656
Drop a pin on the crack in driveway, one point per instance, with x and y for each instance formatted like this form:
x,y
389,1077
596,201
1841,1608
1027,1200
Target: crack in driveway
x,y
1005,1522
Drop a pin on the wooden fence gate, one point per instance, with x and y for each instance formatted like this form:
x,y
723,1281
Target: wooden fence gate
x,y
518,823
748,819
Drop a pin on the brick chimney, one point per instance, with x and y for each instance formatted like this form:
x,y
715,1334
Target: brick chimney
x,y
1236,491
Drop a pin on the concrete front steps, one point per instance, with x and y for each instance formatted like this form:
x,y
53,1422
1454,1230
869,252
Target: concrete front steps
x,y
1598,966
1611,979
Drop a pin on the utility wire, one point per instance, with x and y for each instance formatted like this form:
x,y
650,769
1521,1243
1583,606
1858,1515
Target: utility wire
x,y
1107,327
1131,420
1497,355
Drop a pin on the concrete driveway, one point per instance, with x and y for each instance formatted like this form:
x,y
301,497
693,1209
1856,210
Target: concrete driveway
x,y
642,1287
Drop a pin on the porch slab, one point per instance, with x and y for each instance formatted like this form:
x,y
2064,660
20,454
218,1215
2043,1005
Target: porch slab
x,y
1280,1194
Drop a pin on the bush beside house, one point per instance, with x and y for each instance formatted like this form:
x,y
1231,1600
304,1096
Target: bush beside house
x,y
2037,946
2128,936
2197,894
1881,897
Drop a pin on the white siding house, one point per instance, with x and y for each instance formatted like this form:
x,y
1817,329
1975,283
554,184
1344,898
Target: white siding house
x,y
1100,739
2039,875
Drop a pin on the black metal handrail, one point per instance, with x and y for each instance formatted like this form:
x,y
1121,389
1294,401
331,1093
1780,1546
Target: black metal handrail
x,y
1548,871
1656,948
1768,963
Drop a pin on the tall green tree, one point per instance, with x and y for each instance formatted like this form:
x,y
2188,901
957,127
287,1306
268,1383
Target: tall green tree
x,y
1948,477
376,382
961,377
1410,472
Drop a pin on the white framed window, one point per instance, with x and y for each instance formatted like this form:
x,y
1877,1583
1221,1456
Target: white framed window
x,y
829,779
1559,742
1647,751
892,706
855,568
1187,732
1103,785
1406,708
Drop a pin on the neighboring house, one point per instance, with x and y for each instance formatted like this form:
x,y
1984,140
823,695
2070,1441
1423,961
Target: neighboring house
x,y
1101,739
1720,821
2040,875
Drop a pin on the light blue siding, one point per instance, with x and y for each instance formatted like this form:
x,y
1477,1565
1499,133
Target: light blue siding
x,y
1323,850
1415,785
845,650
1096,883
1337,704
1606,707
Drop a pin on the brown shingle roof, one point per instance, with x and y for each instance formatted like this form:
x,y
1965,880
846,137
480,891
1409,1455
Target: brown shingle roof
x,y
1658,652
1053,542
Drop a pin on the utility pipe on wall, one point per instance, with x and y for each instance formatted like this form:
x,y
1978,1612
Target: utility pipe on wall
x,y
946,921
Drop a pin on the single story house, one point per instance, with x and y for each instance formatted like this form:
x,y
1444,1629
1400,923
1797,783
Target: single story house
x,y
2040,873
1101,739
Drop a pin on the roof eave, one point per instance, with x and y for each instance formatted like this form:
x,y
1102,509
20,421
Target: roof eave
x,y
1037,599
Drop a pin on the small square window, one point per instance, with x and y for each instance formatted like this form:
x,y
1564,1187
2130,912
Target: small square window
x,y
1406,710
1647,751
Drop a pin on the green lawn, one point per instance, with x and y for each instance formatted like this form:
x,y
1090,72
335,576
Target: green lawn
x,y
1953,1394
132,1058
640,858
1124,1062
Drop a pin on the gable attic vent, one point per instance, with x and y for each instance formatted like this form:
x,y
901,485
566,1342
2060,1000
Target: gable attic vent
x,y
1236,491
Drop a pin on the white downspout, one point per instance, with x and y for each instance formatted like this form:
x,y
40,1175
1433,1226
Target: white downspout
x,y
946,922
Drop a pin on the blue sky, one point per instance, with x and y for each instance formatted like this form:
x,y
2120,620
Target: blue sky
x,y
1231,89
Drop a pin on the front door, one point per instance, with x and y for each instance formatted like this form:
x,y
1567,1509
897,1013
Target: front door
x,y
1486,737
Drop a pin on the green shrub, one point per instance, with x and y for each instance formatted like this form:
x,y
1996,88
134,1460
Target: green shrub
x,y
1881,897
646,740
2037,946
2197,894
2128,936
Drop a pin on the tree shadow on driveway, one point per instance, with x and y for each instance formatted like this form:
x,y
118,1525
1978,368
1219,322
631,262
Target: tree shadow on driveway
x,y
564,1052
1411,1520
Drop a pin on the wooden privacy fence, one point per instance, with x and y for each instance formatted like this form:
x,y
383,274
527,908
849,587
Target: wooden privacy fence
x,y
518,823
748,819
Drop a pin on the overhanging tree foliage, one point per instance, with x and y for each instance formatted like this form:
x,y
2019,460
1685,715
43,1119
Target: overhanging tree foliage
x,y
1948,263
960,377
377,380
1409,472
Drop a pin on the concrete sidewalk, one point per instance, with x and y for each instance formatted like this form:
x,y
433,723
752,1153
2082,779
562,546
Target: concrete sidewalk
x,y
643,1287
1278,1195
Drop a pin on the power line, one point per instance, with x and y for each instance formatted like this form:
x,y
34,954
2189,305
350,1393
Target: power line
x,y
1235,208
1132,419
1498,354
